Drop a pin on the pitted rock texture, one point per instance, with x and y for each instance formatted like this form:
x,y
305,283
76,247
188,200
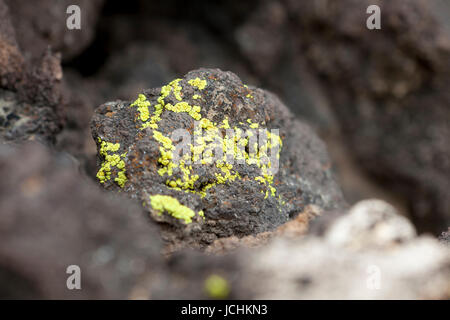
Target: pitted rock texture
x,y
200,202
31,105
20,120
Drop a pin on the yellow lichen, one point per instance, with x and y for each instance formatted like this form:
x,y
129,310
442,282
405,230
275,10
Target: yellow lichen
x,y
197,82
202,149
111,160
168,204
142,106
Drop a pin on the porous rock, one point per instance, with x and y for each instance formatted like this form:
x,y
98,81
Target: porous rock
x,y
30,96
210,199
385,90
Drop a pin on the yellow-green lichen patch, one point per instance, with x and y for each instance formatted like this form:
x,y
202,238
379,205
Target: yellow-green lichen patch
x,y
155,118
199,83
253,125
217,287
273,141
225,124
111,160
142,106
204,144
168,204
174,87
165,150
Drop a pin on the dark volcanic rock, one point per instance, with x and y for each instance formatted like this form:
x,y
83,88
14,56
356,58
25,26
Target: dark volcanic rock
x,y
24,121
51,217
30,104
389,90
11,60
240,198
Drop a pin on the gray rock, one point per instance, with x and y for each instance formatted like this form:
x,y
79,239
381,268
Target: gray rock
x,y
376,256
370,223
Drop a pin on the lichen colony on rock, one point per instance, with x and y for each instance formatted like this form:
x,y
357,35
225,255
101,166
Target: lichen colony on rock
x,y
242,170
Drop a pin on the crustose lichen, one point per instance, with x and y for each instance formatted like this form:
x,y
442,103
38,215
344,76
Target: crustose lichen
x,y
111,160
168,204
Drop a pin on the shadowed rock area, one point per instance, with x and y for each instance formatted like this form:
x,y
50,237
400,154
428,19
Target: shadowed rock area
x,y
389,91
52,217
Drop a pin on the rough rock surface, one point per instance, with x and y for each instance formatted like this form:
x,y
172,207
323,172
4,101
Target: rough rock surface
x,y
217,199
385,88
11,59
52,217
30,96
294,228
20,120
